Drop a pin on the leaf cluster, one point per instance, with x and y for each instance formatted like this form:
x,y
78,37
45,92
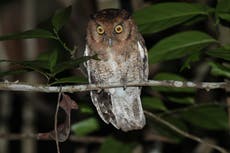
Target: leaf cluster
x,y
48,64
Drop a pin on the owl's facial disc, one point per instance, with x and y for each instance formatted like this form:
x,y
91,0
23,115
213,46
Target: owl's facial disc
x,y
109,33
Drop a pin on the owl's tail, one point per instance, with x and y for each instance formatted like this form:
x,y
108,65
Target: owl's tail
x,y
121,107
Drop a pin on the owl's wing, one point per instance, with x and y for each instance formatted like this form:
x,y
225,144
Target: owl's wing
x,y
86,53
102,99
144,58
120,107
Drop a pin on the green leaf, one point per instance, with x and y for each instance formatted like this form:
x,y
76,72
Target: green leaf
x,y
35,64
161,16
168,76
86,109
12,72
85,127
182,100
36,33
222,52
194,20
152,103
60,17
223,9
71,79
45,56
171,76
219,70
53,60
207,117
112,145
179,45
72,63
39,66
191,58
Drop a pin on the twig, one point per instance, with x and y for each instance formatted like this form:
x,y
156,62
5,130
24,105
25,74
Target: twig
x,y
62,43
228,103
184,109
183,133
78,139
15,86
10,136
73,138
88,139
56,120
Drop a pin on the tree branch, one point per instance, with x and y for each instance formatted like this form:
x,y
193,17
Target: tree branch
x,y
80,139
85,139
16,86
56,121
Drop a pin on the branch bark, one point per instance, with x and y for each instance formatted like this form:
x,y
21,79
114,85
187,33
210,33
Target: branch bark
x,y
16,86
73,138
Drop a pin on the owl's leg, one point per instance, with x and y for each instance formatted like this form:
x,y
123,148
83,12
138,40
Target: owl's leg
x,y
100,91
124,82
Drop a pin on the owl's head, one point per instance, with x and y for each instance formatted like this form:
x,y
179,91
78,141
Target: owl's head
x,y
110,27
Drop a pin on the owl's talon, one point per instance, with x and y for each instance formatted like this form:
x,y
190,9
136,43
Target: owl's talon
x,y
124,87
99,90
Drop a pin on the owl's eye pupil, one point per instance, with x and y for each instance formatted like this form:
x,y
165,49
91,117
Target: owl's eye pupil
x,y
100,30
118,29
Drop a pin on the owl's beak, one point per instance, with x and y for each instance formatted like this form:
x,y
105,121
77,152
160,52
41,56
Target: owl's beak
x,y
110,42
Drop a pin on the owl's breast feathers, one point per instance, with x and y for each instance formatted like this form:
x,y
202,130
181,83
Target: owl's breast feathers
x,y
115,65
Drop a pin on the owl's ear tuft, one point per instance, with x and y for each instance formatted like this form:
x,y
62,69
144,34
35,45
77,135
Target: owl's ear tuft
x,y
125,14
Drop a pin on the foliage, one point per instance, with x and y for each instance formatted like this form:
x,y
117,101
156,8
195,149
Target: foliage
x,y
165,15
86,126
48,64
115,146
187,47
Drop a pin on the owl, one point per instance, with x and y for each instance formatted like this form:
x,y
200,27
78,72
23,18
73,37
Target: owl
x,y
113,36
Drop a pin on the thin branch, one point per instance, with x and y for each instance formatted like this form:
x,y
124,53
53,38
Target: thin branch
x,y
88,139
183,133
62,43
73,138
56,121
15,86
184,109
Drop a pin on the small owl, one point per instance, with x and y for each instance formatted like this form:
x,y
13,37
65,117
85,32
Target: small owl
x,y
113,36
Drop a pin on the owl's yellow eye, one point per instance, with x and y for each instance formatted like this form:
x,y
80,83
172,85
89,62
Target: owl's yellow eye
x,y
100,30
118,29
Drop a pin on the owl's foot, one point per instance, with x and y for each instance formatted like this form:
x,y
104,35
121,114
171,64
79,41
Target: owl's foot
x,y
100,91
124,81
125,86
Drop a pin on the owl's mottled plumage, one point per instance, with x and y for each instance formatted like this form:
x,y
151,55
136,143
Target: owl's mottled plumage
x,y
113,36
